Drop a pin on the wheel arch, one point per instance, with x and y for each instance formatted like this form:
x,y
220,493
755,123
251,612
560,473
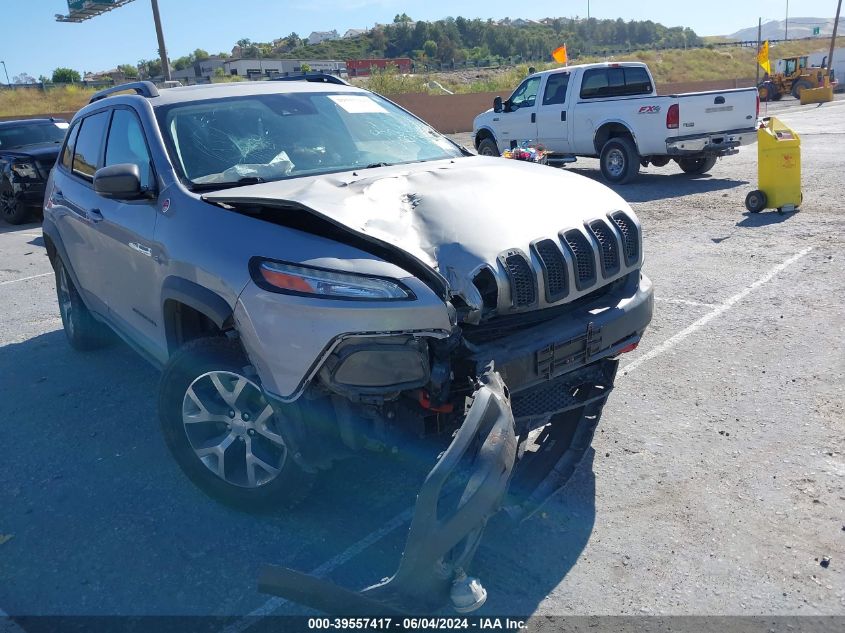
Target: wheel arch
x,y
483,133
191,311
611,129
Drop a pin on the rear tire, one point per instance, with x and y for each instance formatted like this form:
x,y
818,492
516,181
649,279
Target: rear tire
x,y
755,201
488,147
700,165
223,433
83,331
620,162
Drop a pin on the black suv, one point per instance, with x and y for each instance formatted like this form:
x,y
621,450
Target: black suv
x,y
28,151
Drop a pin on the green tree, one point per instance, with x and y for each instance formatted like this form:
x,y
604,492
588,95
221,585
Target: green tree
x,y
430,49
129,70
201,55
305,68
65,76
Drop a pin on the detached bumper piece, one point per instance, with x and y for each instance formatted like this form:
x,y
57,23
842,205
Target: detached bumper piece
x,y
445,529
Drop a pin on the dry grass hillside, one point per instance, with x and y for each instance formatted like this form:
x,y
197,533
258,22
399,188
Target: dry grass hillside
x,y
668,66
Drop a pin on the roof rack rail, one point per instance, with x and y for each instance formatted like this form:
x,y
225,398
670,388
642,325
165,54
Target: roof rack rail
x,y
144,88
316,77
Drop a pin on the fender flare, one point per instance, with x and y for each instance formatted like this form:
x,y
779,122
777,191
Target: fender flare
x,y
197,297
56,248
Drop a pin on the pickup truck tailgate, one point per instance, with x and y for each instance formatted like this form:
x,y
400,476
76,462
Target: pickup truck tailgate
x,y
716,111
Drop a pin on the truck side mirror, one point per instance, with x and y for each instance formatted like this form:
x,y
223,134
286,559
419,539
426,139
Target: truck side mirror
x,y
497,105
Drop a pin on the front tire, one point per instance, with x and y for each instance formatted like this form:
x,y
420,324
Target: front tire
x,y
620,162
13,210
222,431
488,147
83,331
800,86
700,165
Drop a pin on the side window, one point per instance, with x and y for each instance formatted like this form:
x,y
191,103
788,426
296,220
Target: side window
x,y
89,145
594,83
126,144
615,82
526,95
555,93
637,81
70,143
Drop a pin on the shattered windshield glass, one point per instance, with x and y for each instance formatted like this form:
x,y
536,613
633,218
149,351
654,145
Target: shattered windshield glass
x,y
260,138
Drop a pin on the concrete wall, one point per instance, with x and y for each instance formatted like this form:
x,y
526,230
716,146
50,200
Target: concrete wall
x,y
454,113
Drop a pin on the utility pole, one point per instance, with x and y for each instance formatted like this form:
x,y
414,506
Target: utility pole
x,y
6,70
757,61
833,40
162,50
786,23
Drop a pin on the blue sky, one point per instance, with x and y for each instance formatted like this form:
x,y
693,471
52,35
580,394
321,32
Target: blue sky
x,y
32,41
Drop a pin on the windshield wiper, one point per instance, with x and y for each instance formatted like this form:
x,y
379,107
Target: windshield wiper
x,y
243,182
374,165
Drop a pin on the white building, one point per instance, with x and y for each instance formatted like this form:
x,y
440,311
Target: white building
x,y
322,36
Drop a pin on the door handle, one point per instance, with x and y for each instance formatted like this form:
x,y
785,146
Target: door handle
x,y
94,215
563,115
144,250
533,117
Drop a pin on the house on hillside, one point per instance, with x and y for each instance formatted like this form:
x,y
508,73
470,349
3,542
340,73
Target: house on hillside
x,y
350,33
323,36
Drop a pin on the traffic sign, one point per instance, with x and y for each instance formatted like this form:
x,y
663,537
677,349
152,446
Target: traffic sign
x,y
81,10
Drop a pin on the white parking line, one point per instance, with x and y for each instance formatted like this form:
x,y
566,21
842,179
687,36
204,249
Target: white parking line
x,y
14,281
399,520
720,309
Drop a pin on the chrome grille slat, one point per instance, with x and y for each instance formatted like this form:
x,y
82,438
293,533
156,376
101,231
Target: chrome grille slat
x,y
630,236
583,256
523,280
608,249
554,269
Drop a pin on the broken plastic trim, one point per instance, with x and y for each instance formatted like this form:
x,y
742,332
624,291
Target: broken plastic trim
x,y
426,572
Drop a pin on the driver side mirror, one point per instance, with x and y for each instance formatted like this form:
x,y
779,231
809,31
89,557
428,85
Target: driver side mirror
x,y
497,105
119,182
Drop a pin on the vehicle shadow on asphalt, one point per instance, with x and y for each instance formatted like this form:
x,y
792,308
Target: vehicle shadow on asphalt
x,y
105,523
9,228
648,187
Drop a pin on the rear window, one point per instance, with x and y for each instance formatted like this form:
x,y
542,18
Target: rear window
x,y
615,82
26,134
89,145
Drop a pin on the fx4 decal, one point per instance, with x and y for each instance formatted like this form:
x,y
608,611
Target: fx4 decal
x,y
651,109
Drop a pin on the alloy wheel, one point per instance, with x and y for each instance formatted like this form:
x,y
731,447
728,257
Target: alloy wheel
x,y
231,429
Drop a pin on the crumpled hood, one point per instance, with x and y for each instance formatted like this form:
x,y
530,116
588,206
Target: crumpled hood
x,y
454,215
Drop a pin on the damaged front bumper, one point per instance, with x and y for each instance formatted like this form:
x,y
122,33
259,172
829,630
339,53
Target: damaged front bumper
x,y
521,442
441,543
439,546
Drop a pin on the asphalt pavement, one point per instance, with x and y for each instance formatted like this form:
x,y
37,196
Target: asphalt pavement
x,y
715,486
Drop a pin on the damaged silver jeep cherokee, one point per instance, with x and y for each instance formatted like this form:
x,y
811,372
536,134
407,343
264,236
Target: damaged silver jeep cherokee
x,y
317,271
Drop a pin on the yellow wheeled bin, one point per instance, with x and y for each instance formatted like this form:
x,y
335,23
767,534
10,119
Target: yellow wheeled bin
x,y
778,168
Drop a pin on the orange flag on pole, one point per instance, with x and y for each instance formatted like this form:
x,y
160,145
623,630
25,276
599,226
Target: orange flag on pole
x,y
559,54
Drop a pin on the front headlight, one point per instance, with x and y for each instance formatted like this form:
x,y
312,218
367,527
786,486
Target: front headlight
x,y
295,279
25,170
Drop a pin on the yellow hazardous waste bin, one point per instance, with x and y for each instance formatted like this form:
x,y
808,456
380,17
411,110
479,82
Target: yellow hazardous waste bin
x,y
778,168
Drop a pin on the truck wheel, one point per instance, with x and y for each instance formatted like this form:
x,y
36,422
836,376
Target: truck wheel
x,y
755,201
798,86
620,162
14,211
488,147
222,431
700,165
83,331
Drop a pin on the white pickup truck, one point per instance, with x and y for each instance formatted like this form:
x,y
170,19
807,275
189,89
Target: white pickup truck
x,y
612,111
